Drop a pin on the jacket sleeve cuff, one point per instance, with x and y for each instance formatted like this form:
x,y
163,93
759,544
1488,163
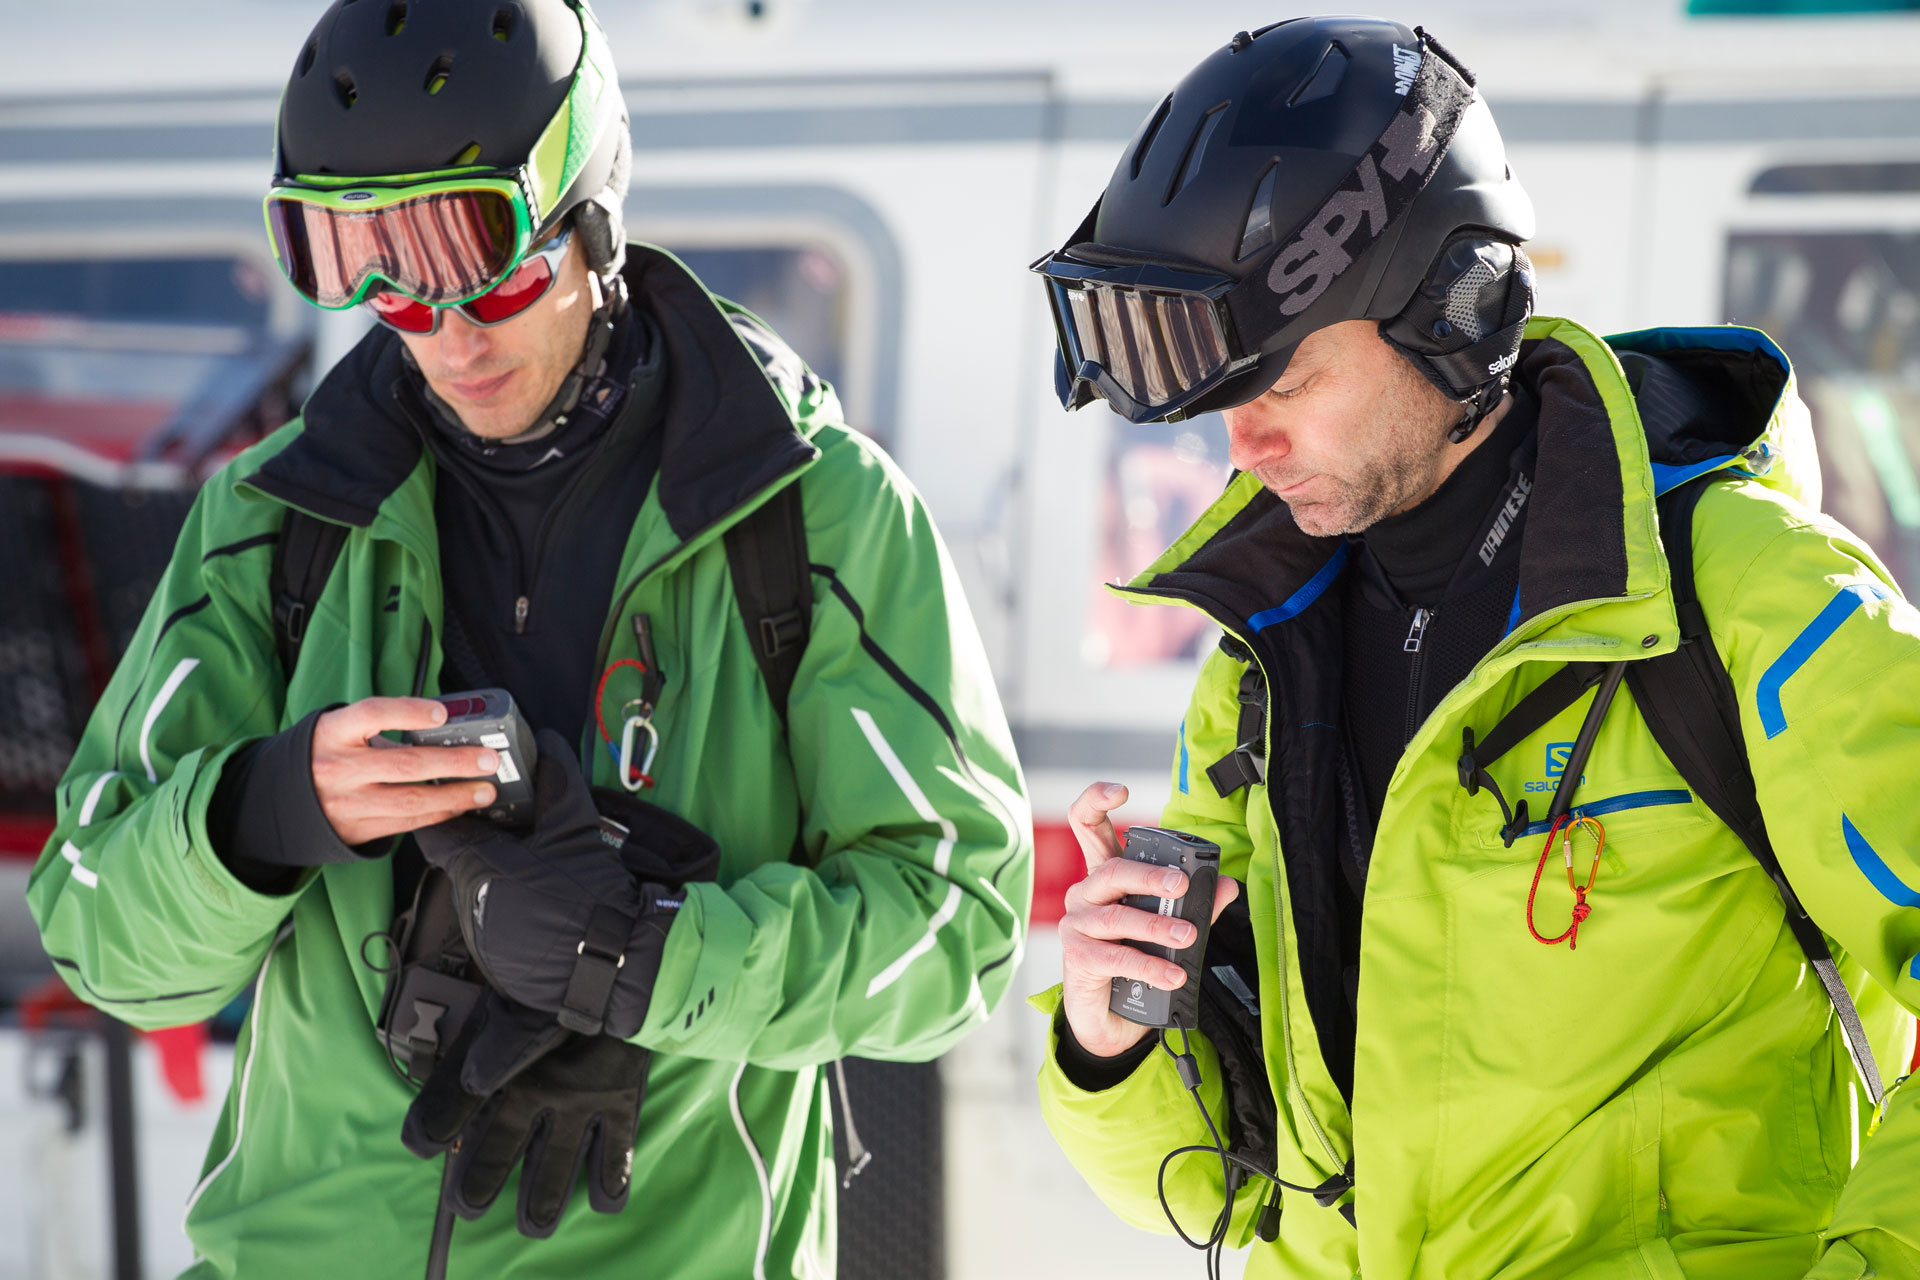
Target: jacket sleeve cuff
x,y
705,949
265,819
1089,1071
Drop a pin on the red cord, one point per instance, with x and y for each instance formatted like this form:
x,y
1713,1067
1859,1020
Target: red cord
x,y
1581,908
600,694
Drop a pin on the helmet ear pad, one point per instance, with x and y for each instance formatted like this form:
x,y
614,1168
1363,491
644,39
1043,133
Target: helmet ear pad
x,y
1462,326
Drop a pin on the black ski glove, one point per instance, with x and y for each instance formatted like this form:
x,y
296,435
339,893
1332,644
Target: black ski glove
x,y
517,1083
554,918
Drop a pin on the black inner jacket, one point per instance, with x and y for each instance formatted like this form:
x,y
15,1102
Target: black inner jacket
x,y
531,534
712,430
1427,594
1695,405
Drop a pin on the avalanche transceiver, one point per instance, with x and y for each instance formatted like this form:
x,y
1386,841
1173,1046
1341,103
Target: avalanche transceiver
x,y
488,718
1200,859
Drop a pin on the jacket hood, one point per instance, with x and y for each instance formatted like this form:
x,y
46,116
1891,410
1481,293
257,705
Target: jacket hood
x,y
1720,397
733,397
1621,421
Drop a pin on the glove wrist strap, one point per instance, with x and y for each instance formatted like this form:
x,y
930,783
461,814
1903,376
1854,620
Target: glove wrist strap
x,y
602,954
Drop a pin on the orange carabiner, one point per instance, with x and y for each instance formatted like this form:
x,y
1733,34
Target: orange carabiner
x,y
1581,909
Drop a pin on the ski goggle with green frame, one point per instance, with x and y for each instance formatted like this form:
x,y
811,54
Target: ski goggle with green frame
x,y
443,240
444,237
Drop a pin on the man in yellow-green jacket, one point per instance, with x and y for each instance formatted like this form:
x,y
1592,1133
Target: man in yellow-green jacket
x,y
1492,989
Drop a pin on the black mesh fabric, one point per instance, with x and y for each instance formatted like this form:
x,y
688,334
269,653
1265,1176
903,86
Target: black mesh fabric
x,y
893,1217
128,538
44,687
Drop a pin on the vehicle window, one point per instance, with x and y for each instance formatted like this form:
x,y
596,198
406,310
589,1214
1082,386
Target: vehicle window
x,y
1158,480
800,291
199,290
1846,306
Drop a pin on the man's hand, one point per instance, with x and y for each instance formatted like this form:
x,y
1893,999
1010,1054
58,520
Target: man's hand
x,y
368,793
1096,928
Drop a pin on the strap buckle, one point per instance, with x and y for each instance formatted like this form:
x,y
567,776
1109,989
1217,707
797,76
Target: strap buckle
x,y
602,954
293,619
781,631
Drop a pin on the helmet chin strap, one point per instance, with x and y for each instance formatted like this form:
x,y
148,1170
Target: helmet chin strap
x,y
592,359
1483,402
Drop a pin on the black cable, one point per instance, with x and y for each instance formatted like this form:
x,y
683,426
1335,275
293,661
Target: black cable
x,y
442,1243
1215,1243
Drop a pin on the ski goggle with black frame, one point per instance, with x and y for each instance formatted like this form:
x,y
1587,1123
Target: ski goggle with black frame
x,y
1148,339
442,240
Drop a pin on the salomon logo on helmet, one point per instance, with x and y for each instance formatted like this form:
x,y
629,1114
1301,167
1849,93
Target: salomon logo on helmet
x,y
1503,364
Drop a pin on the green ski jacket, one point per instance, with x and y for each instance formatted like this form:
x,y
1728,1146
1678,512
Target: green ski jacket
x,y
876,849
1674,1098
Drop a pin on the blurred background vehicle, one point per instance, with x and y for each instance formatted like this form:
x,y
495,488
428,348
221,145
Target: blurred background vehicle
x,y
872,178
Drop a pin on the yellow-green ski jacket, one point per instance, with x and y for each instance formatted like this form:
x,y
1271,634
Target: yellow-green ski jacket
x,y
1673,1099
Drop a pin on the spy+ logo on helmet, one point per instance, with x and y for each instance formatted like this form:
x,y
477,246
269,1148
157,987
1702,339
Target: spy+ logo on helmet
x,y
1385,181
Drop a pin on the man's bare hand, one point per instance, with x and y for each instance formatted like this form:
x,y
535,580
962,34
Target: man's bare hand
x,y
1097,927
368,793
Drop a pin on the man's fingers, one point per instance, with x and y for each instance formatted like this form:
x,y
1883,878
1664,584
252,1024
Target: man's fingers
x,y
396,809
358,721
1225,890
1096,962
359,766
1117,922
1087,817
1117,877
361,830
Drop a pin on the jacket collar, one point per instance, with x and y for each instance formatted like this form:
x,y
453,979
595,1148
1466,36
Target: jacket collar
x,y
1592,526
729,420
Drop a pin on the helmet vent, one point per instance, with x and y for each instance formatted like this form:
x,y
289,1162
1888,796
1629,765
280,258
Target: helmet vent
x,y
1326,77
505,19
307,56
396,17
467,155
1152,131
344,88
1196,149
1259,229
438,73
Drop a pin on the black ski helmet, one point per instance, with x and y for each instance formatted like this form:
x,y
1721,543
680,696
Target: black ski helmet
x,y
1313,171
415,88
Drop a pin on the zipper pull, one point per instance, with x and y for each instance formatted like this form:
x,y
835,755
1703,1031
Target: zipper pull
x,y
520,616
1415,633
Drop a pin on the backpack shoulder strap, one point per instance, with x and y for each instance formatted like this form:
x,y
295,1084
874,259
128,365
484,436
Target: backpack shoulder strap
x,y
773,584
1688,701
303,560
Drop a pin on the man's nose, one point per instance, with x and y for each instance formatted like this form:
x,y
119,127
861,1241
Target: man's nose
x,y
1254,436
461,341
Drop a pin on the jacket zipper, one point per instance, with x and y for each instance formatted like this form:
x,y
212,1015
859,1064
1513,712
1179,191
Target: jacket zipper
x,y
1415,644
1282,945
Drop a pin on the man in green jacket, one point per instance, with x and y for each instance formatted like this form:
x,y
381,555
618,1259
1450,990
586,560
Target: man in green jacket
x,y
537,469
1491,991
